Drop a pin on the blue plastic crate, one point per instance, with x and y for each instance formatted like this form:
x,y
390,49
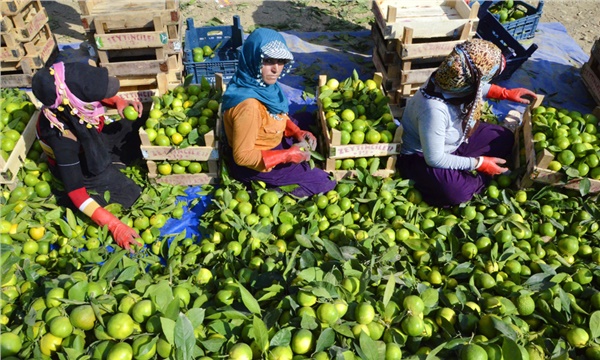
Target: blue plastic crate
x,y
520,29
225,60
490,29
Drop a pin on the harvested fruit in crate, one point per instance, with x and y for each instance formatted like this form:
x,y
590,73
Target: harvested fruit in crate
x,y
571,137
507,11
358,109
360,163
202,53
16,109
182,167
183,115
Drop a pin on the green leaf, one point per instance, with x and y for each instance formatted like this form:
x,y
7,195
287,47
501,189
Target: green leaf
x,y
369,348
325,340
184,338
584,186
595,324
281,338
261,335
196,316
389,289
111,263
168,329
510,350
66,230
249,300
332,249
505,329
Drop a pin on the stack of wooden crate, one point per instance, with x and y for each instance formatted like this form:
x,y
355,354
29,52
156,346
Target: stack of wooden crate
x,y
590,72
412,37
27,41
140,42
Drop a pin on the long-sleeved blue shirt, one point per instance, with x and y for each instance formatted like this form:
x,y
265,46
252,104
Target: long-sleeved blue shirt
x,y
434,128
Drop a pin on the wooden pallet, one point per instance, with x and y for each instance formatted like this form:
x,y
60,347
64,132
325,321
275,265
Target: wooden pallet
x,y
427,18
28,22
536,163
10,168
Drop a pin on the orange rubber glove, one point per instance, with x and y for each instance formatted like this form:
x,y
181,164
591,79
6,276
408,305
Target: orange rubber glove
x,y
292,130
489,165
295,154
124,235
520,95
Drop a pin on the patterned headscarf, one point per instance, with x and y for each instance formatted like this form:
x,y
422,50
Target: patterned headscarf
x,y
247,81
469,66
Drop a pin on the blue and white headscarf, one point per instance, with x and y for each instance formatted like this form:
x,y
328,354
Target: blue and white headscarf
x,y
248,83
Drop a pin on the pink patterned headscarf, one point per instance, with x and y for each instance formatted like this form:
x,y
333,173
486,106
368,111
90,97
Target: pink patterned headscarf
x,y
89,113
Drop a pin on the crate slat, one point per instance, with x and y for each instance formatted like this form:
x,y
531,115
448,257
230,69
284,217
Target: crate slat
x,y
427,18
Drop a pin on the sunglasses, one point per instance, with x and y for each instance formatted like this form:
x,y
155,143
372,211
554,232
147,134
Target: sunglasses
x,y
271,61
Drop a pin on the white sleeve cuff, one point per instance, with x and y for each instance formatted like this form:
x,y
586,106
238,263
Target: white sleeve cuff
x,y
478,162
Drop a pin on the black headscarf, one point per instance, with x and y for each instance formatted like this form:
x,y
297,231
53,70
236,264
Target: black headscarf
x,y
89,84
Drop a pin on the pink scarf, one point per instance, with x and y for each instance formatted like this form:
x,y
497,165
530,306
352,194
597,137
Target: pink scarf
x,y
90,113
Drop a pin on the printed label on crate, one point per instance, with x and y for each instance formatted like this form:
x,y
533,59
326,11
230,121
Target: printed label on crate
x,y
364,150
133,40
170,153
140,95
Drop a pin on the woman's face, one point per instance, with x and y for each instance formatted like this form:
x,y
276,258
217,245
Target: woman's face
x,y
271,70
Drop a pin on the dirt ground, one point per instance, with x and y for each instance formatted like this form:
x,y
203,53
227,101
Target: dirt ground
x,y
581,18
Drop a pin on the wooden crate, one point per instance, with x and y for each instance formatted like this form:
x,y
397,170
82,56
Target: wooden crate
x,y
28,22
427,18
38,52
199,153
172,64
129,13
408,62
536,163
10,168
333,147
590,73
143,87
212,177
389,170
13,7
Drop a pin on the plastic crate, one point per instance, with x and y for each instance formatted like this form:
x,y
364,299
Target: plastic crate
x,y
225,60
515,54
523,28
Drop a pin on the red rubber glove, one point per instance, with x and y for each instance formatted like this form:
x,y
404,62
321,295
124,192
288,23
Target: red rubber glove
x,y
295,155
292,130
520,95
489,165
119,103
124,235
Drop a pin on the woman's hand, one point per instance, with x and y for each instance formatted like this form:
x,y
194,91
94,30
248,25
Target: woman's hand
x,y
520,95
309,138
489,165
121,104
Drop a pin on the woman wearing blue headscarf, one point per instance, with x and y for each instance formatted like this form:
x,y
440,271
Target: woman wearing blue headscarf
x,y
263,142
